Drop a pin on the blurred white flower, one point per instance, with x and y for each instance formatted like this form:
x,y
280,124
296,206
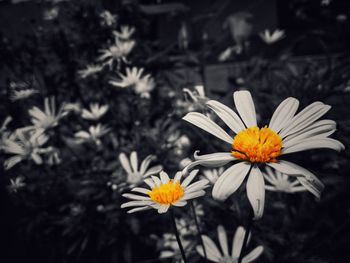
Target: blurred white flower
x,y
117,52
24,144
224,256
229,52
136,174
107,18
51,13
325,2
197,95
53,157
16,184
144,86
49,117
94,134
72,106
22,94
125,33
272,37
90,69
213,174
95,113
7,120
280,182
165,192
131,78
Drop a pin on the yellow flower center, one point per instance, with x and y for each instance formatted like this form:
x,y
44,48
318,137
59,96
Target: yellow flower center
x,y
167,194
257,145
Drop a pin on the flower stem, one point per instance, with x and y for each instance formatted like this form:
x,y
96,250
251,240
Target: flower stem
x,y
246,235
199,230
177,236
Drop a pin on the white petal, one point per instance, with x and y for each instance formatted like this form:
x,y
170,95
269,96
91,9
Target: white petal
x,y
254,254
199,185
305,118
134,161
139,209
163,209
178,177
136,203
284,167
318,143
256,192
228,116
164,177
149,182
213,252
208,125
125,163
283,114
192,195
156,180
223,240
153,170
189,178
237,242
145,163
140,190
245,107
180,203
136,197
230,180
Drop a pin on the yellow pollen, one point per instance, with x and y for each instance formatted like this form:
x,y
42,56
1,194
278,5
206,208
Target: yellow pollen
x,y
257,145
167,194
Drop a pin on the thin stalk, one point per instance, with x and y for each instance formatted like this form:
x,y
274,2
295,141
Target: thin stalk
x,y
246,235
178,236
199,230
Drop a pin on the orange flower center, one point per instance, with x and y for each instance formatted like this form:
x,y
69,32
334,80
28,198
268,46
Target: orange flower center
x,y
257,145
168,193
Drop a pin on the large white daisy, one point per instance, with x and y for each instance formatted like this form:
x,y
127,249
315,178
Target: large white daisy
x,y
286,133
224,256
165,192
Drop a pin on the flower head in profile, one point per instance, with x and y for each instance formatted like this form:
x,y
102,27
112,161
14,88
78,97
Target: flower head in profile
x,y
48,117
24,144
95,113
136,173
125,33
22,94
165,192
16,184
272,37
94,134
280,182
117,52
90,69
107,18
252,146
224,256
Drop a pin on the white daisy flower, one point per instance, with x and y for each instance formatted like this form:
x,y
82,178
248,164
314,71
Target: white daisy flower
x,y
89,70
272,37
280,182
165,192
144,86
224,256
22,94
213,174
107,18
16,184
286,133
117,52
125,32
96,112
49,117
131,78
24,144
136,174
94,134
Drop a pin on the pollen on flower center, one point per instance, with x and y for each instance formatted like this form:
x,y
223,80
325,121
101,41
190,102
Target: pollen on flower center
x,y
168,193
257,145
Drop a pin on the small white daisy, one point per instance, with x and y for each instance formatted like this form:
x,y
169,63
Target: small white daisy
x,y
49,117
131,78
117,52
22,94
125,33
95,113
89,70
286,133
224,256
272,37
144,86
280,182
16,184
24,144
136,174
107,18
165,192
94,134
